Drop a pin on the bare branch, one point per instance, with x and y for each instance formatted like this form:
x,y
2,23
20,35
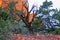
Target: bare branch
x,y
31,9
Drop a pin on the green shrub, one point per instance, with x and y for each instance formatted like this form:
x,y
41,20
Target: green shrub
x,y
54,30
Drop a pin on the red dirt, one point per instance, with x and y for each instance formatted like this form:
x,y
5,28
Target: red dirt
x,y
34,37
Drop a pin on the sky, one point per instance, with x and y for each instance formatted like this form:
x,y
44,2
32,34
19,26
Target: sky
x,y
56,3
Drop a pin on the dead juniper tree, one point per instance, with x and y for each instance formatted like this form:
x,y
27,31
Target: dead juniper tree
x,y
23,16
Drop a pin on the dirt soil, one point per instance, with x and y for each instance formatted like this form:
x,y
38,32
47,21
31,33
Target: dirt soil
x,y
34,37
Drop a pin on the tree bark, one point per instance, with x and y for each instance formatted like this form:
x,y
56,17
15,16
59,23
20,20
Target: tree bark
x,y
31,30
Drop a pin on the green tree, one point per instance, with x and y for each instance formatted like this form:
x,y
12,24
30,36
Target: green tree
x,y
45,11
7,19
47,19
38,25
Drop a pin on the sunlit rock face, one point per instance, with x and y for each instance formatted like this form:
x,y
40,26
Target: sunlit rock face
x,y
0,3
18,6
31,17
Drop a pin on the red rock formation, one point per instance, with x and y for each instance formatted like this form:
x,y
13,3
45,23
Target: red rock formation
x,y
18,6
0,3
